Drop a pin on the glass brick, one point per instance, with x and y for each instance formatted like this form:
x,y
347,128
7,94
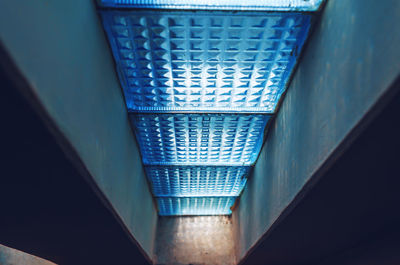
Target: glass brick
x,y
168,206
199,139
192,181
262,5
204,61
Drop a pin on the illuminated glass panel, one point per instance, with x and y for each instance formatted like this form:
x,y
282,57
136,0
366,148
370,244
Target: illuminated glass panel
x,y
265,5
185,181
195,205
199,139
204,62
198,84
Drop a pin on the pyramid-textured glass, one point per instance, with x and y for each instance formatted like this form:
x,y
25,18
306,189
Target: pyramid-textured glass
x,y
201,79
199,139
190,181
204,61
262,5
195,205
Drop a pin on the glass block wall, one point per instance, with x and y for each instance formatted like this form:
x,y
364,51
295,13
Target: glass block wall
x,y
200,86
263,5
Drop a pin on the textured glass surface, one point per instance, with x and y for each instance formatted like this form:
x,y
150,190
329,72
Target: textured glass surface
x,y
199,139
185,181
266,5
195,205
200,83
204,61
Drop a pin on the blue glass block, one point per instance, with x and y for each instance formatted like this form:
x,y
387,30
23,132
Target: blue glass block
x,y
204,61
195,205
264,5
199,139
191,181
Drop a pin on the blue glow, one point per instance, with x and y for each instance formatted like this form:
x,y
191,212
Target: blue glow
x,y
199,139
204,62
200,83
195,205
190,181
265,5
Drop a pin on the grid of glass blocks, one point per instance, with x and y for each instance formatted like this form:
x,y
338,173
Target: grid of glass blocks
x,y
191,181
262,5
195,205
199,86
186,61
199,139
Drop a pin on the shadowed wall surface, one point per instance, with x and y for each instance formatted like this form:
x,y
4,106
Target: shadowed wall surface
x,y
350,62
60,48
47,208
350,215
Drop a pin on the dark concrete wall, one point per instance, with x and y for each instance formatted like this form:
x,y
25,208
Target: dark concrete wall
x,y
350,214
10,256
349,63
195,240
47,209
60,47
